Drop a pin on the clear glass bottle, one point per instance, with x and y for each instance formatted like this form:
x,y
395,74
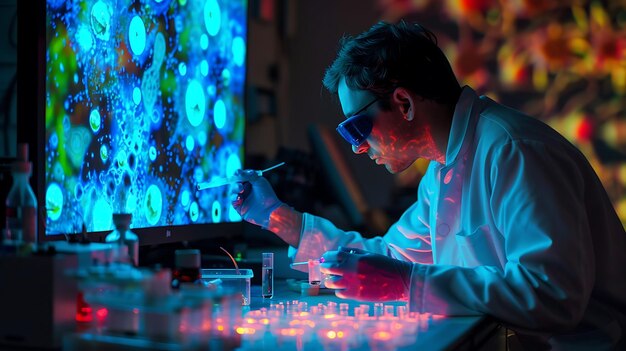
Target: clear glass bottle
x,y
21,203
315,274
128,250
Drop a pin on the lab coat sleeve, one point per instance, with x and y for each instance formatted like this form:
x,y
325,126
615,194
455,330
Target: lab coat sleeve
x,y
408,239
536,200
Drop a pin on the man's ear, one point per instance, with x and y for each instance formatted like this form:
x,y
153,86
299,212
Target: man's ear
x,y
405,101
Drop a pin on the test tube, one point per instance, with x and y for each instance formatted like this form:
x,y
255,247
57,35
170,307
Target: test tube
x,y
401,311
343,309
267,275
388,311
315,275
378,309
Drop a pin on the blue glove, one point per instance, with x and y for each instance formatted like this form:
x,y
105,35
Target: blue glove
x,y
365,276
254,198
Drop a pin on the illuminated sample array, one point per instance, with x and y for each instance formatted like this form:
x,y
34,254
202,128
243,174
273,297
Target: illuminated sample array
x,y
137,308
144,99
139,305
297,326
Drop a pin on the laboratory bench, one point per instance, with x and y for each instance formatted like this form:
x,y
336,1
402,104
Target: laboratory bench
x,y
293,321
124,313
379,325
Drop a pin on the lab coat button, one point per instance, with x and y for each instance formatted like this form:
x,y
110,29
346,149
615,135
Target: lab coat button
x,y
443,229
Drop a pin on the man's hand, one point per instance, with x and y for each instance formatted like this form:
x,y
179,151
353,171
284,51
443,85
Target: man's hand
x,y
254,199
365,276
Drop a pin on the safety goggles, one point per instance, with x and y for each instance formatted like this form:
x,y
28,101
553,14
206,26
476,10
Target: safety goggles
x,y
358,127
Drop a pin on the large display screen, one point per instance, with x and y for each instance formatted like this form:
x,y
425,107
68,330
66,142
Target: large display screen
x,y
144,99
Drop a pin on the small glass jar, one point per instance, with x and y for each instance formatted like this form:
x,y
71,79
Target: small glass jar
x,y
128,250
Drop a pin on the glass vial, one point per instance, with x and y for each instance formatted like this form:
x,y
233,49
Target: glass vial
x,y
128,242
315,274
21,203
267,275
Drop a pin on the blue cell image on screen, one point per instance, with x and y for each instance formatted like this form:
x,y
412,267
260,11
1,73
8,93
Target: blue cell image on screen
x,y
144,99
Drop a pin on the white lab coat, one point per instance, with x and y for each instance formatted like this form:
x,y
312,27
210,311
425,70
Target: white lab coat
x,y
515,225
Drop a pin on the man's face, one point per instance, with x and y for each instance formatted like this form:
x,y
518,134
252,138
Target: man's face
x,y
393,141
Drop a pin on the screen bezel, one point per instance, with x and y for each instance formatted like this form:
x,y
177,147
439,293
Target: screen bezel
x,y
31,73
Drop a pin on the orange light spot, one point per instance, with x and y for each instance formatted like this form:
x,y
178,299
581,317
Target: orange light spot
x,y
245,330
291,331
382,335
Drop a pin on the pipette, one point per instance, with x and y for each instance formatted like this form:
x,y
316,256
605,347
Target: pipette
x,y
220,181
321,259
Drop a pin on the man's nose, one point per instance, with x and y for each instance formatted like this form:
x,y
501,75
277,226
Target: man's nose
x,y
361,148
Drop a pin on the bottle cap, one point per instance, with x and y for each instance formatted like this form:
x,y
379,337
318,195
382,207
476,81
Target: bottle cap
x,y
121,221
189,258
21,164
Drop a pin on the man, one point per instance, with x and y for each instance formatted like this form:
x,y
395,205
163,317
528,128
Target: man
x,y
510,218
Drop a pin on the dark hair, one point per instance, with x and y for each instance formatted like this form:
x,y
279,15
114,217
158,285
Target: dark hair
x,y
388,56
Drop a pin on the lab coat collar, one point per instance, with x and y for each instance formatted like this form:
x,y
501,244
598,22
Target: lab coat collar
x,y
462,131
